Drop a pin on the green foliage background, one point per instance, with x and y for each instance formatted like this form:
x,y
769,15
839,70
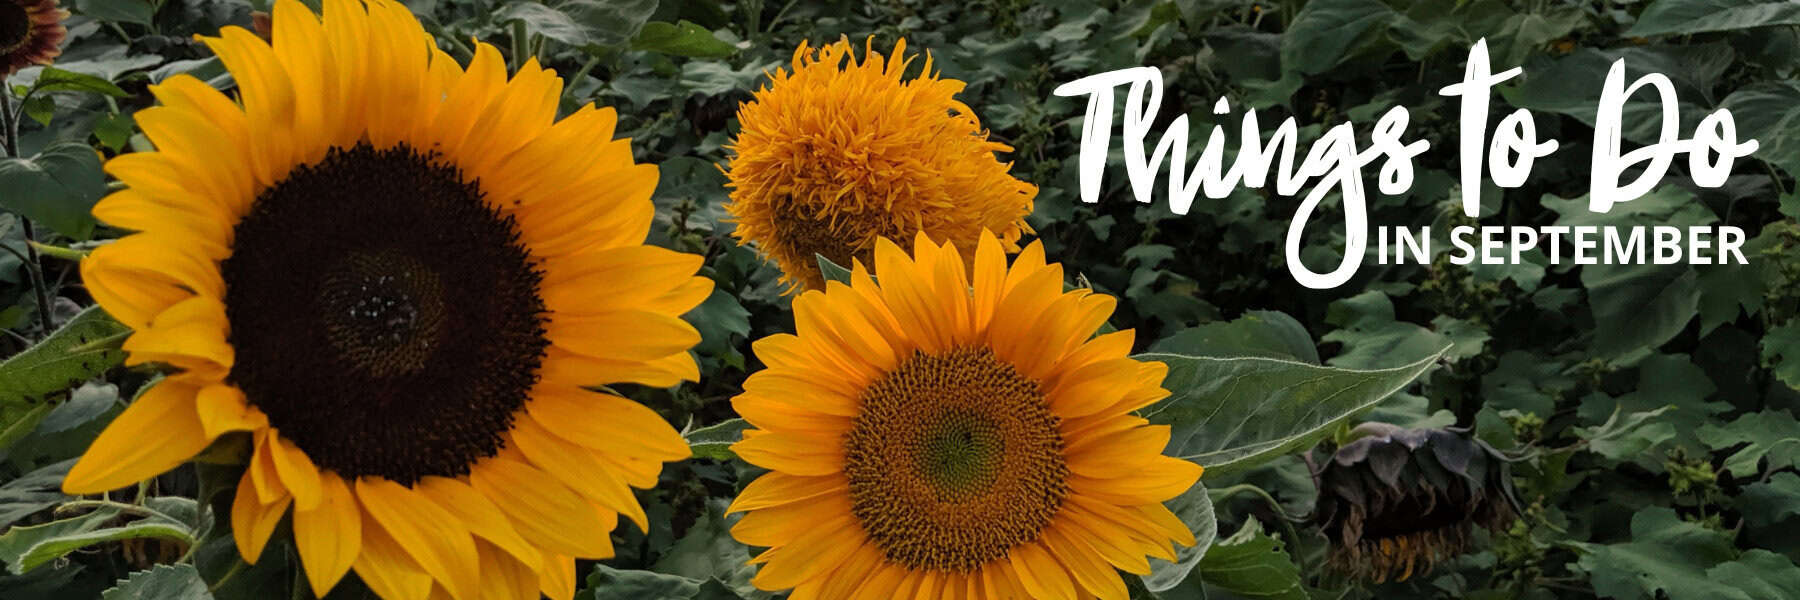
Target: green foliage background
x,y
1648,408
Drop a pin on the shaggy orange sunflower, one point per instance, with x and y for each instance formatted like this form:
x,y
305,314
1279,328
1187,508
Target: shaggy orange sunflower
x,y
402,279
837,154
31,33
929,438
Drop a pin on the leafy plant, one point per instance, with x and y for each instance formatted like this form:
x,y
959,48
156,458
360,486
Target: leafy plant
x,y
1646,410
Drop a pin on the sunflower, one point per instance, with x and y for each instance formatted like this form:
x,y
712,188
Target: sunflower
x,y
399,277
929,439
838,154
1395,501
31,33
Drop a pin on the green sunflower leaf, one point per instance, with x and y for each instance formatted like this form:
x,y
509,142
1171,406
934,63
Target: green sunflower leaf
x,y
138,12
161,582
607,583
58,80
714,441
583,24
1771,434
26,548
832,270
56,188
1195,509
33,492
1698,16
81,349
1682,560
1252,564
685,38
1230,414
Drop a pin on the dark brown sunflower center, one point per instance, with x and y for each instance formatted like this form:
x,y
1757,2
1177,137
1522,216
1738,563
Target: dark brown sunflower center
x,y
809,234
15,26
955,459
387,312
384,316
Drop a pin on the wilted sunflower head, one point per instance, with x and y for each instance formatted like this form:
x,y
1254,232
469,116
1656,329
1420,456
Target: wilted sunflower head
x,y
1396,501
837,154
31,33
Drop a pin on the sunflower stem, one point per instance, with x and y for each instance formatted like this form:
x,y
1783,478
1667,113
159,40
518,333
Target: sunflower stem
x,y
519,45
1281,514
592,61
131,509
62,252
9,126
238,566
35,268
9,133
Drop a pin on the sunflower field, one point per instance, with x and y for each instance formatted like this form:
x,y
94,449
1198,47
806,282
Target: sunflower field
x,y
704,300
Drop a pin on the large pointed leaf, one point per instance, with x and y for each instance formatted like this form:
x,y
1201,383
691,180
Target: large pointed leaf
x,y
57,187
1253,564
81,348
26,548
1230,414
1195,509
161,582
1698,16
714,441
84,347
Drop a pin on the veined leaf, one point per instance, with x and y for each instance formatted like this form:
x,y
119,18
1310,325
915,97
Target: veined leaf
x,y
26,548
1230,414
1252,564
1195,509
81,349
681,39
161,582
833,271
57,187
1681,17
714,441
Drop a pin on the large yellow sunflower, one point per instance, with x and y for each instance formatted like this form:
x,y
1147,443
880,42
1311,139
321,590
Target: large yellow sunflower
x,y
397,275
31,33
932,439
838,154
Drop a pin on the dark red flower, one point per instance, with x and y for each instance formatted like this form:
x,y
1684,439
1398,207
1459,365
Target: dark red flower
x,y
31,33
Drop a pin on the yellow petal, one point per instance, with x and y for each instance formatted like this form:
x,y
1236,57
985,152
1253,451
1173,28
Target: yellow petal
x,y
261,472
577,468
433,537
297,472
606,423
504,577
776,488
482,517
542,510
556,578
222,410
189,334
386,568
160,430
821,547
622,335
1153,482
792,453
330,535
252,521
1044,578
1090,571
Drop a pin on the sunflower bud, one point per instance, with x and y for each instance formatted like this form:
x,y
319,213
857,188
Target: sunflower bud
x,y
1396,501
